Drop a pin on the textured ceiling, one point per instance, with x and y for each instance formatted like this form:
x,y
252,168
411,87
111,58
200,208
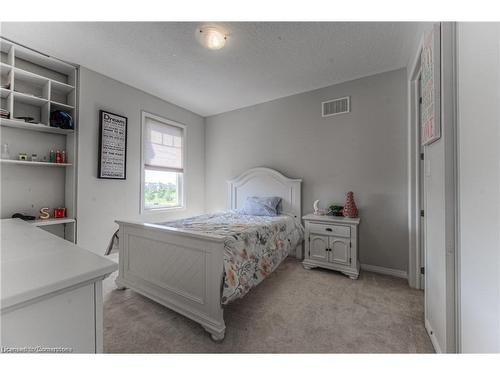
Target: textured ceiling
x,y
262,61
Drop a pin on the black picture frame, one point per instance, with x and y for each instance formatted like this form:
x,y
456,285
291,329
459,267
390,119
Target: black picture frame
x,y
105,125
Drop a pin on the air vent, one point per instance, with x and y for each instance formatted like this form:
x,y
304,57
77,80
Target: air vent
x,y
336,107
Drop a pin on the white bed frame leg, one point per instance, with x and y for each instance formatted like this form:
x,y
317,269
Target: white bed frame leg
x,y
119,285
216,334
216,326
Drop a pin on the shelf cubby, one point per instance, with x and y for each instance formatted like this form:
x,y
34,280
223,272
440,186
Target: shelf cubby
x,y
3,56
63,88
61,106
6,52
30,78
29,99
25,105
62,97
4,93
5,76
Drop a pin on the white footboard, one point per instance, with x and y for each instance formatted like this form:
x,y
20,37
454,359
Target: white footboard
x,y
178,269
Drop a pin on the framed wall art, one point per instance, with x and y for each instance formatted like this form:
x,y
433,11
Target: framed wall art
x,y
112,146
431,84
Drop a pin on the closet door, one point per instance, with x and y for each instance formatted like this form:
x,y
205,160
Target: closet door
x,y
318,247
339,250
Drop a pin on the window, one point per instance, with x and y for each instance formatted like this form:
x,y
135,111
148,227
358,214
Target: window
x,y
163,163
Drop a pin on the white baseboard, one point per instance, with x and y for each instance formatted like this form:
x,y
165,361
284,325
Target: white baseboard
x,y
432,336
385,271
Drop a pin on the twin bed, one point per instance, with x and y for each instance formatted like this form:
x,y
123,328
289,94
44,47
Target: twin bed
x,y
197,265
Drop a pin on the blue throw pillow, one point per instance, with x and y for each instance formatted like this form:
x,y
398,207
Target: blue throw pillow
x,y
262,206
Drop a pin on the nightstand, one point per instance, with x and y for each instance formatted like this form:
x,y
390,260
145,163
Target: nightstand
x,y
332,242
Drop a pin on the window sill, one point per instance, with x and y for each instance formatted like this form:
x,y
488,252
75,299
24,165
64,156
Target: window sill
x,y
164,209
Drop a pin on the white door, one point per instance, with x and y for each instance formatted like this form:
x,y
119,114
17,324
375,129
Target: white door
x,y
439,188
318,247
339,250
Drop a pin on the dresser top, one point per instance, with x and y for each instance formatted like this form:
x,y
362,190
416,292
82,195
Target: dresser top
x,y
35,263
331,219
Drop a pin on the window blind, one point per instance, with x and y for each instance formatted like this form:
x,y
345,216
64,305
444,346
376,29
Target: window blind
x,y
163,145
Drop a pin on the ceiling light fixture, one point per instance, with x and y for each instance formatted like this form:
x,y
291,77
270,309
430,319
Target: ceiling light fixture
x,y
211,37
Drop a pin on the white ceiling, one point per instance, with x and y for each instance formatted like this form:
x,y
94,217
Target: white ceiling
x,y
262,61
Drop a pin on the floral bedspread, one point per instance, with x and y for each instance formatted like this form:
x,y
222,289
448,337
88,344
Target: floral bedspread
x,y
254,245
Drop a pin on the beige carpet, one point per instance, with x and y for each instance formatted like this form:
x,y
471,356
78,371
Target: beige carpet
x,y
293,311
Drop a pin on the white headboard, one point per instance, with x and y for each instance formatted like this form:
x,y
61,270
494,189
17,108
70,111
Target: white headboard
x,y
266,182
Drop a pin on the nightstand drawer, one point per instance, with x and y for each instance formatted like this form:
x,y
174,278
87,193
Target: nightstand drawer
x,y
333,230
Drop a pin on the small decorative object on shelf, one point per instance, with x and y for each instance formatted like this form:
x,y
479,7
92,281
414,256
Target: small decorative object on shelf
x,y
23,156
59,212
5,151
34,157
29,119
44,213
336,210
23,217
4,113
58,157
317,210
63,157
350,209
61,119
52,156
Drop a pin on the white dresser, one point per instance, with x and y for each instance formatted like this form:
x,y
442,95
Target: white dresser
x,y
332,242
51,292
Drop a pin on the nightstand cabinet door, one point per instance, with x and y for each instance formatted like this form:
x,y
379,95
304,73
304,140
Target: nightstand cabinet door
x,y
340,251
318,247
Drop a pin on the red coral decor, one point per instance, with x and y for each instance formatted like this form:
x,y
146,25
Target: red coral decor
x,y
350,209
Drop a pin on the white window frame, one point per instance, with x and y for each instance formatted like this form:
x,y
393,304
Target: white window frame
x,y
182,184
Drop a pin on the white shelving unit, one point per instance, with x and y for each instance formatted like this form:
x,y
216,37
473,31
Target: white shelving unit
x,y
34,85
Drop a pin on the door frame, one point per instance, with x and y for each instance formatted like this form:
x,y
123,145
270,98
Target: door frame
x,y
414,205
421,249
449,120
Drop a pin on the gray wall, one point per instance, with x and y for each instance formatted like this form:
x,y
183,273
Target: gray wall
x,y
101,202
363,151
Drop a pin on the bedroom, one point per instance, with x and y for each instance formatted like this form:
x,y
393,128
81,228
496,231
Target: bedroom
x,y
133,137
